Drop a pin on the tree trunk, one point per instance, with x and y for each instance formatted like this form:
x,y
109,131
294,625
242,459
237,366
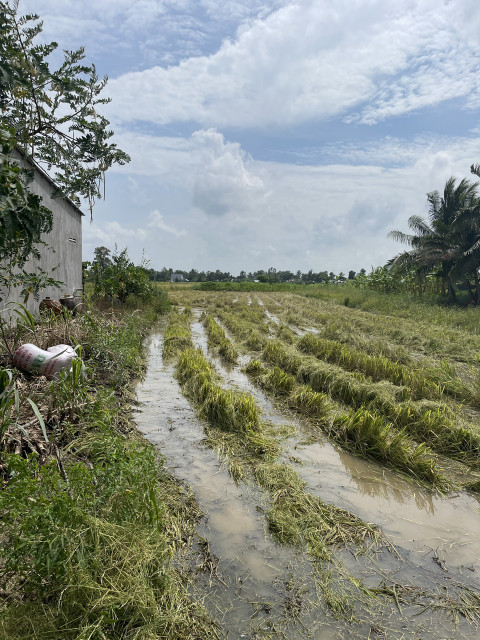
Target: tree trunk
x,y
451,292
473,297
477,286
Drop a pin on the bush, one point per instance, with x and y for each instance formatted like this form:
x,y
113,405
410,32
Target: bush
x,y
121,279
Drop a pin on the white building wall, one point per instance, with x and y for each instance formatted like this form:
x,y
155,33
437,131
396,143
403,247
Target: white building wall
x,y
62,255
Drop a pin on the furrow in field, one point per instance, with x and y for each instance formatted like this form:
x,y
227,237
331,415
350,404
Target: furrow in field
x,y
312,475
443,427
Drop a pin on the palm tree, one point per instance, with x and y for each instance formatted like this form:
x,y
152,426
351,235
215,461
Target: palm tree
x,y
450,240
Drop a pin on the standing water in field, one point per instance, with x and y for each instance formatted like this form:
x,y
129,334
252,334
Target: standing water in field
x,y
258,589
251,584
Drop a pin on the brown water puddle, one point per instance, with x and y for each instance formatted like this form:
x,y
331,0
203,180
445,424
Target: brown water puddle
x,y
436,536
253,580
415,518
434,533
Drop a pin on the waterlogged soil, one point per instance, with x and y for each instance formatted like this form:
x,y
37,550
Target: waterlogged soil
x,y
256,588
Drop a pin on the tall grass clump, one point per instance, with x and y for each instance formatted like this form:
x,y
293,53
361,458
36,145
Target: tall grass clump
x,y
90,526
369,435
284,333
217,337
365,430
177,336
91,548
284,386
251,331
376,367
276,353
310,403
224,408
437,426
111,344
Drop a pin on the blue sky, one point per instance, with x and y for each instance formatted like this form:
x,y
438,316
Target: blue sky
x,y
275,133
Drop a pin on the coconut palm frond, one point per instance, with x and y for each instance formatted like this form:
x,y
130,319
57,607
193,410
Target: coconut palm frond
x,y
399,236
402,262
418,224
450,241
475,248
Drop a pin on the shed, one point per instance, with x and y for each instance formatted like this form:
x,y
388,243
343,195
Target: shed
x,y
62,254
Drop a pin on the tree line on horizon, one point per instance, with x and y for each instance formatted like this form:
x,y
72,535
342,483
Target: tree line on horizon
x,y
443,259
271,276
104,258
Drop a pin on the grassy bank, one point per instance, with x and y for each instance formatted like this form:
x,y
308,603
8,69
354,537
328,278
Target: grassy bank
x,y
91,522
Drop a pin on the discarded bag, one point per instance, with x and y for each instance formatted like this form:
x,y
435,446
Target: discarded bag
x,y
47,363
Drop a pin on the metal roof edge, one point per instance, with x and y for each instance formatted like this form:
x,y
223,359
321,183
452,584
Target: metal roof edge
x,y
43,173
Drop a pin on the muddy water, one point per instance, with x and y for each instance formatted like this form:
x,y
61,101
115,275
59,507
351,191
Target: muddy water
x,y
251,581
249,590
417,519
437,536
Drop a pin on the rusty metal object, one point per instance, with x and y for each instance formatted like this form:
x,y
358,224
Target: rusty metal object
x,y
49,304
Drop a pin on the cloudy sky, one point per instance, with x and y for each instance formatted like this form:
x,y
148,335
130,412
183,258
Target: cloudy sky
x,y
293,134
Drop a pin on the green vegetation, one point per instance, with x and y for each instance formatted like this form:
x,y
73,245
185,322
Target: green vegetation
x,y
55,112
370,403
366,433
446,246
91,522
115,278
218,338
298,518
177,336
52,117
248,444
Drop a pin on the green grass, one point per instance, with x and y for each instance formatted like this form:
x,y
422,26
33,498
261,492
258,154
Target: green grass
x,y
363,432
90,527
426,422
237,432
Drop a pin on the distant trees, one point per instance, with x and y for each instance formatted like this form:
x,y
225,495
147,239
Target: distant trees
x,y
272,275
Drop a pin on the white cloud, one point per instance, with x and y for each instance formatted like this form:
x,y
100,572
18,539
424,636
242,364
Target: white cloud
x,y
156,221
92,232
222,180
334,216
309,61
151,31
217,173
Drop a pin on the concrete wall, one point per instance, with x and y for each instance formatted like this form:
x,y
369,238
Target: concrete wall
x,y
64,246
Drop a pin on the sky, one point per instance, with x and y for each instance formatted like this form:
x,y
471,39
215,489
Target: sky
x,y
275,133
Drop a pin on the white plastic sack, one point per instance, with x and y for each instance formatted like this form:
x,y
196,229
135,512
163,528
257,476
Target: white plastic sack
x,y
62,348
46,363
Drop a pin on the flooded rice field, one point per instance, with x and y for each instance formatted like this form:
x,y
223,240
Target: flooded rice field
x,y
422,580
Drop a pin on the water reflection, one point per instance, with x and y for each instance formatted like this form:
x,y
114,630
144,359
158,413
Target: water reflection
x,y
380,483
